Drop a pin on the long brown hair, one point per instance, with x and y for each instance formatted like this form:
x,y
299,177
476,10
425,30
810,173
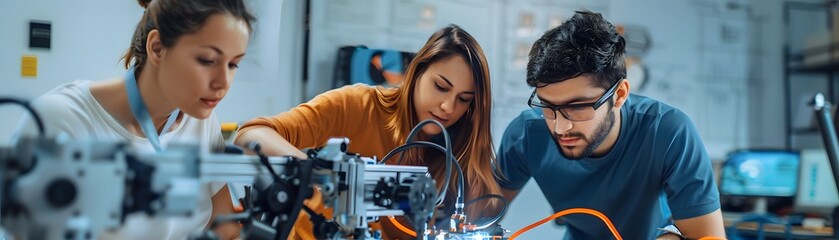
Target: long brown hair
x,y
175,18
471,136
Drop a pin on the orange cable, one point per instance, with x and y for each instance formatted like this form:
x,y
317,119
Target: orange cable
x,y
401,227
571,211
595,213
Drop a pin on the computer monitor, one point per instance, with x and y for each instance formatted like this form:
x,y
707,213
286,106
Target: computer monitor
x,y
761,174
816,188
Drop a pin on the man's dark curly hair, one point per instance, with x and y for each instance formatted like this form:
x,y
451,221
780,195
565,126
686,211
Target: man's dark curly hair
x,y
585,44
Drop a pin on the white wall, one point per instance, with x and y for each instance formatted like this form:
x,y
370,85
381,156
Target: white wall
x,y
730,84
766,112
268,79
699,63
87,43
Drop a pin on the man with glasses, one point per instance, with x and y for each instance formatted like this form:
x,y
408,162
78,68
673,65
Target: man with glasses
x,y
588,143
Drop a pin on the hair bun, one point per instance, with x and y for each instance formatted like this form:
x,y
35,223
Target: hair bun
x,y
144,3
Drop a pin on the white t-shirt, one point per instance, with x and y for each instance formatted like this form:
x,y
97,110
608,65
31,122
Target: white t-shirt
x,y
71,109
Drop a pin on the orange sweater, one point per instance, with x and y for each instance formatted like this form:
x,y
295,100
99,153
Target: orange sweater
x,y
355,112
352,111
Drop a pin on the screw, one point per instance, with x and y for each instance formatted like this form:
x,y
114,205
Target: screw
x,y
282,197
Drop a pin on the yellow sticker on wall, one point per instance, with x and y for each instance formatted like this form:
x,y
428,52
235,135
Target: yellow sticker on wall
x,y
29,66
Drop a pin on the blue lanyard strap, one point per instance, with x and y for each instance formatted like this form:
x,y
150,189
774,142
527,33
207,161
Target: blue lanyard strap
x,y
141,113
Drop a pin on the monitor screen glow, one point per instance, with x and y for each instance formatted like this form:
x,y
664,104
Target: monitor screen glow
x,y
760,174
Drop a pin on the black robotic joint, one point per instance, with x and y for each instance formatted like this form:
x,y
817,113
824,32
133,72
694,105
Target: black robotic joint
x,y
383,193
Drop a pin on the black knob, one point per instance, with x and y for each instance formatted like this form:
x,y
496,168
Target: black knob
x,y
61,192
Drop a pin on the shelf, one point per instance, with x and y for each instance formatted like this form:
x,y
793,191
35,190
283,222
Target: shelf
x,y
821,59
830,66
801,131
830,54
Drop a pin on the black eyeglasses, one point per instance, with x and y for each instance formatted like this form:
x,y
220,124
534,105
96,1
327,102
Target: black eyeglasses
x,y
573,112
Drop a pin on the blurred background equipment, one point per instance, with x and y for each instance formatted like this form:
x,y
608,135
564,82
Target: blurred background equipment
x,y
638,42
817,195
359,64
760,174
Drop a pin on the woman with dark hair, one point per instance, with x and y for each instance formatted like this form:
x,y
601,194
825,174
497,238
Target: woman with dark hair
x,y
181,63
448,81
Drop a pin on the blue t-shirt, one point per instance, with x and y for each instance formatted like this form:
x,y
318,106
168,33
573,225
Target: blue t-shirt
x,y
657,169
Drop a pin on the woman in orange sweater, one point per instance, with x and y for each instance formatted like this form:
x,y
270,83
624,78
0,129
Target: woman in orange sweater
x,y
448,81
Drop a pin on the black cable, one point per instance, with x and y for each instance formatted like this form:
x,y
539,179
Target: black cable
x,y
311,212
449,157
263,159
497,217
419,144
256,148
28,107
418,127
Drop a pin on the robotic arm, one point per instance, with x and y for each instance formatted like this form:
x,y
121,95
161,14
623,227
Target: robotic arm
x,y
54,189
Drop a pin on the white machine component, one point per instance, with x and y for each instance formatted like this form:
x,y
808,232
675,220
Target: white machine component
x,y
362,190
54,189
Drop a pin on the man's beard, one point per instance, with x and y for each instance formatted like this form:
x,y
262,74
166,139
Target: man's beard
x,y
598,137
